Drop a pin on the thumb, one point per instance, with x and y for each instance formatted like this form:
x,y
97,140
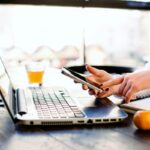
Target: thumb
x,y
112,82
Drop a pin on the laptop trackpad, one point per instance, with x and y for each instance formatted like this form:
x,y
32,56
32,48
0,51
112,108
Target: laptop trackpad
x,y
94,102
100,108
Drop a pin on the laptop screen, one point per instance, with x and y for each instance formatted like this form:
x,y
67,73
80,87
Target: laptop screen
x,y
5,88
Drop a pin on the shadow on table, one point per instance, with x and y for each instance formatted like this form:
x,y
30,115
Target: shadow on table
x,y
142,134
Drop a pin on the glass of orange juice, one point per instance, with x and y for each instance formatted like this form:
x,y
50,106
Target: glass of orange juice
x,y
35,73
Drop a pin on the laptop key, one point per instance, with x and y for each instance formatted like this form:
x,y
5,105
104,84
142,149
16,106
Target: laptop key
x,y
70,114
79,115
55,104
70,101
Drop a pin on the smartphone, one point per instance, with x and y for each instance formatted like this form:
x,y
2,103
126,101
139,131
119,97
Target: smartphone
x,y
79,78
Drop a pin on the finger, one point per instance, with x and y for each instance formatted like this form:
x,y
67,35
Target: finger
x,y
84,87
92,81
129,95
112,82
105,93
122,87
91,92
126,88
95,71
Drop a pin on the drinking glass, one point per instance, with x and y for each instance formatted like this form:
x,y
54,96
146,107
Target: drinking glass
x,y
35,73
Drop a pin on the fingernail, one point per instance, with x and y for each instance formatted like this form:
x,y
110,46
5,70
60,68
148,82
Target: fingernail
x,y
107,89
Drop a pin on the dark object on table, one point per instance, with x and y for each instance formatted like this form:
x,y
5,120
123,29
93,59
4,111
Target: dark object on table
x,y
125,4
110,69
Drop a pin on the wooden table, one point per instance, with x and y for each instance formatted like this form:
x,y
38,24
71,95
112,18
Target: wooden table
x,y
121,136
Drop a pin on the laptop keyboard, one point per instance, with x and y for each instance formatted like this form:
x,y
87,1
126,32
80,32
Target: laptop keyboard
x,y
55,103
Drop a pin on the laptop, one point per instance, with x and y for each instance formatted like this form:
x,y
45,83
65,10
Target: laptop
x,y
54,105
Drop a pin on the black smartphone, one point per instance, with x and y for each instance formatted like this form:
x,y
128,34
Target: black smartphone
x,y
79,78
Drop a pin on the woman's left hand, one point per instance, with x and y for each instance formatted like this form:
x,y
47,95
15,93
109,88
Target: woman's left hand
x,y
130,83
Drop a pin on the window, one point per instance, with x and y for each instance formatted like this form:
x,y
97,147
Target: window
x,y
62,35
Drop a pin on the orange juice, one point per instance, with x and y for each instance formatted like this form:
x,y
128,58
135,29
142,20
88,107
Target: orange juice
x,y
35,76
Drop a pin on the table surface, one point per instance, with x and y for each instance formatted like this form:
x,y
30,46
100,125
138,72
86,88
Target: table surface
x,y
122,136
116,136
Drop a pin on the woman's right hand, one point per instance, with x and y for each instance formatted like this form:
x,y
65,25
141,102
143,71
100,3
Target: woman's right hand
x,y
97,77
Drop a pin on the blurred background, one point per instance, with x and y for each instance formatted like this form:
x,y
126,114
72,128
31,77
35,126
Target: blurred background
x,y
71,36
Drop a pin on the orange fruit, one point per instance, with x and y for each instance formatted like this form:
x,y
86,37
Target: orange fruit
x,y
142,120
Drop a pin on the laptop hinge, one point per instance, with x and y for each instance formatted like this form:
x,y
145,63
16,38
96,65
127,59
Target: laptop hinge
x,y
14,101
21,102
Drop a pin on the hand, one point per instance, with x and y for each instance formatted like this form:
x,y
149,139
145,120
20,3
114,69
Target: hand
x,y
97,77
130,83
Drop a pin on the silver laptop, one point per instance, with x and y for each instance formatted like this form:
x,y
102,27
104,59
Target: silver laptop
x,y
54,105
